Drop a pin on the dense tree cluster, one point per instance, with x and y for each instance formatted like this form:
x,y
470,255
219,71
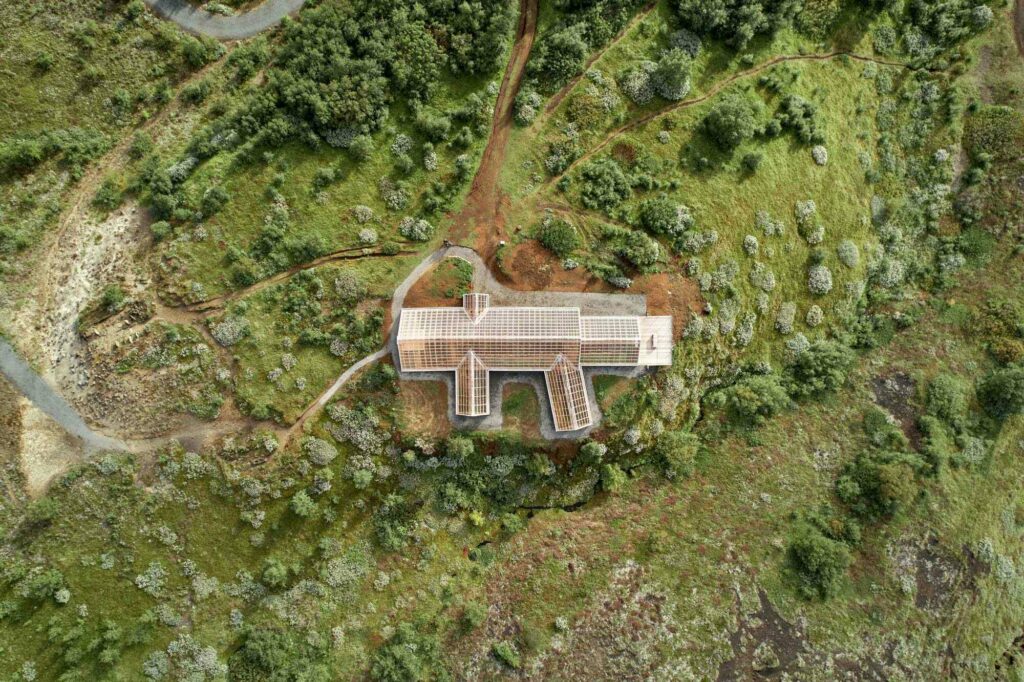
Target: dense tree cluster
x,y
737,21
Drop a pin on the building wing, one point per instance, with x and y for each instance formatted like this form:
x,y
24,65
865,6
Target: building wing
x,y
472,387
567,393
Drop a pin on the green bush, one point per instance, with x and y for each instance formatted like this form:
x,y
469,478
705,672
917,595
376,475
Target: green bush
x,y
507,654
604,184
820,369
410,655
270,654
755,399
820,563
877,485
947,398
732,120
558,57
558,236
1002,392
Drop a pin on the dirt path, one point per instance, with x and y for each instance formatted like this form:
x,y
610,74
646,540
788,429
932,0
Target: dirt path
x,y
1018,26
212,305
561,94
480,218
715,89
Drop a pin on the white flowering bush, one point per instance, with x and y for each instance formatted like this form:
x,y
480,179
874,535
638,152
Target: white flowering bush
x,y
620,282
819,280
230,330
769,225
784,320
430,160
695,242
819,154
338,347
636,83
362,214
890,273
288,361
152,580
745,331
797,344
815,316
320,452
816,235
750,245
349,286
415,230
664,137
848,253
394,196
368,236
527,106
401,145
762,278
805,211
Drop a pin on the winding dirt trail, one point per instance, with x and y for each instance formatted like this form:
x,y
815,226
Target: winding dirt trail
x,y
561,94
480,219
715,90
1018,26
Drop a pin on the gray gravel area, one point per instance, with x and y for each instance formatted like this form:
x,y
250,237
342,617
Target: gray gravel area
x,y
225,27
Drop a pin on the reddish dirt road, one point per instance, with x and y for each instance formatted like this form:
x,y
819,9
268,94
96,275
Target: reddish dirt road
x,y
481,213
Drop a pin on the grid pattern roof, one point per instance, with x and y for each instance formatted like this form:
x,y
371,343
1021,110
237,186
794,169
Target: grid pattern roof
x,y
495,323
472,385
567,393
475,339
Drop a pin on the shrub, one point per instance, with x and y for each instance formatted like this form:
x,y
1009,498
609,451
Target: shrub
x,y
815,316
752,161
784,320
664,217
736,21
558,237
613,477
408,655
820,562
671,77
819,280
636,83
277,654
320,452
1002,392
996,131
507,654
733,119
946,398
820,369
605,186
800,117
755,399
877,485
302,504
558,57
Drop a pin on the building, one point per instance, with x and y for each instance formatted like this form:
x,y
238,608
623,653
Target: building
x,y
477,339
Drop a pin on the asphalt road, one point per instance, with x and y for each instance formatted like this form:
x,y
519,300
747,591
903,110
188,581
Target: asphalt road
x,y
234,27
43,396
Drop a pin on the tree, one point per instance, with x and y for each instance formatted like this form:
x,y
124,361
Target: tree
x,y
820,369
737,21
732,120
558,58
755,399
640,250
877,485
820,562
460,448
671,78
605,186
1002,392
278,655
676,452
947,398
558,236
613,477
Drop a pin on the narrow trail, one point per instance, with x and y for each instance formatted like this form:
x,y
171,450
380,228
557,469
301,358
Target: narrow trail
x,y
1018,26
481,210
208,307
715,90
561,94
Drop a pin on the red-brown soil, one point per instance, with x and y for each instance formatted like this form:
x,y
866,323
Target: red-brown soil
x,y
670,293
529,266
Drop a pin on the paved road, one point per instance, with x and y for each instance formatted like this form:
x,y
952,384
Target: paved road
x,y
49,401
233,27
